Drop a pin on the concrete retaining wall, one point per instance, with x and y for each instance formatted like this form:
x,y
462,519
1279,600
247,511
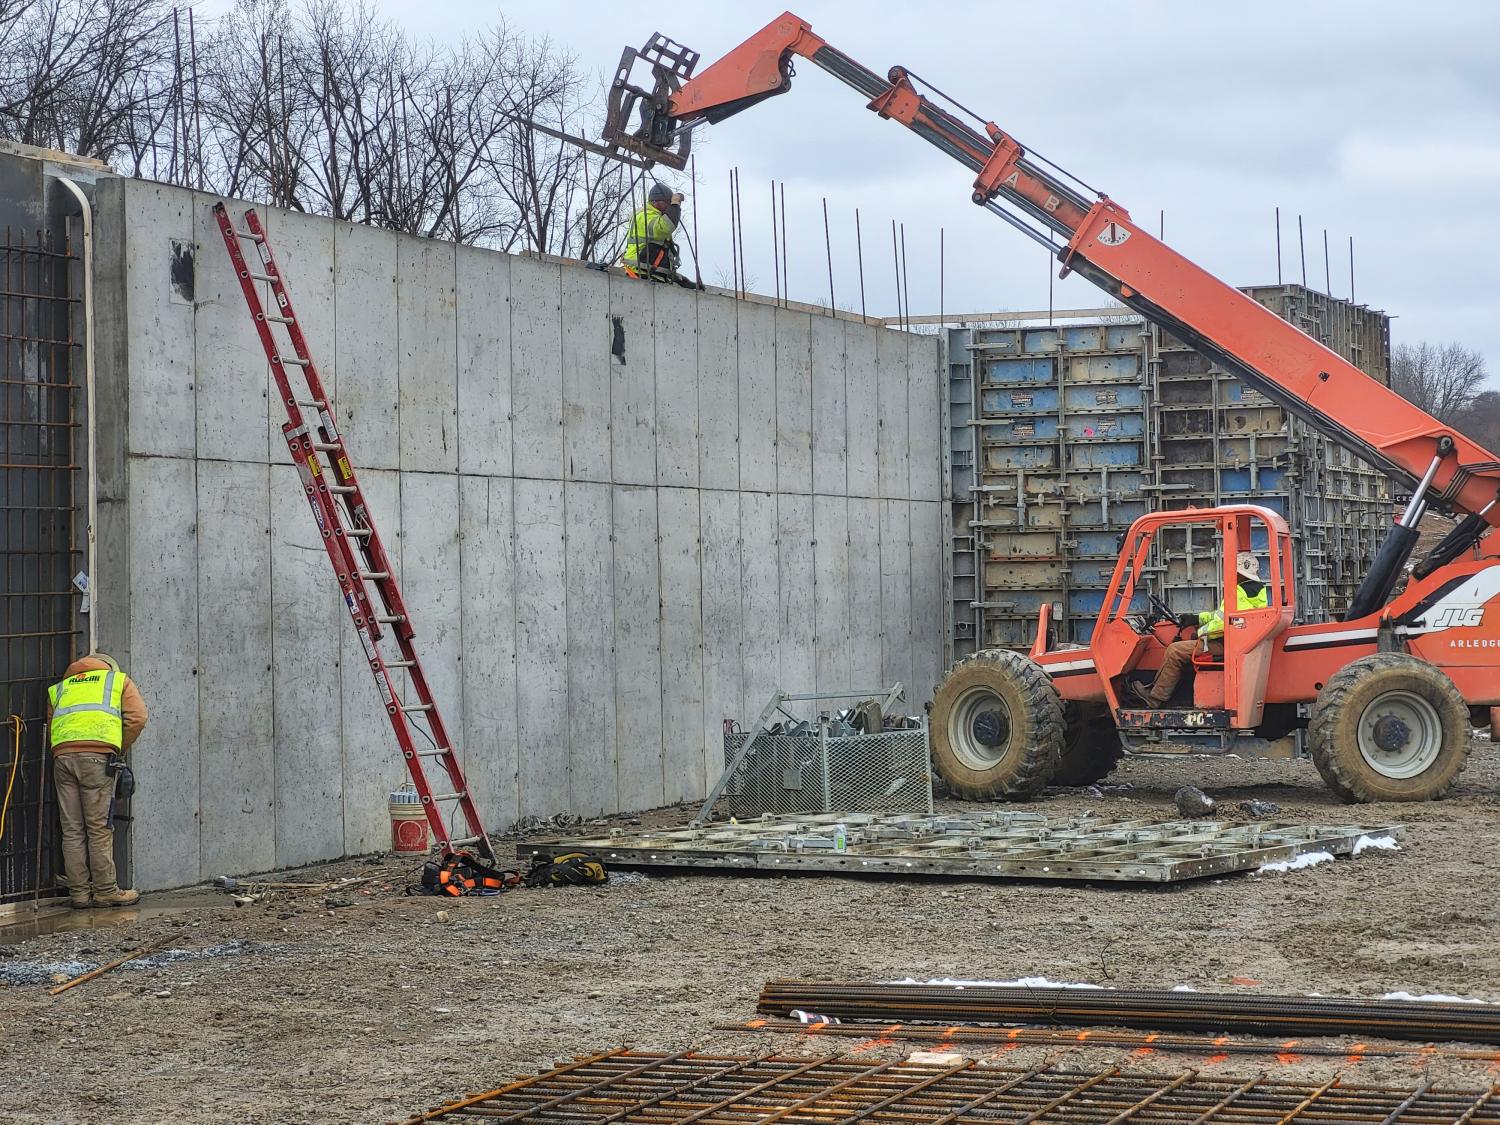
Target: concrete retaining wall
x,y
620,512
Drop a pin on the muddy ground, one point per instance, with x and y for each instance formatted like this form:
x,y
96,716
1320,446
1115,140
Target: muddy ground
x,y
378,1009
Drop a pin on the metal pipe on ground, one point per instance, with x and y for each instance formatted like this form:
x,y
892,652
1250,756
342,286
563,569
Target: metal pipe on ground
x,y
1286,1016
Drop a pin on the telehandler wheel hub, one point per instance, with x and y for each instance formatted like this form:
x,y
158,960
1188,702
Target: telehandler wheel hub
x,y
1400,734
981,734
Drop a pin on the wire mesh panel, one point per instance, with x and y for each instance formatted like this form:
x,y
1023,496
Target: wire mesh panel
x,y
819,772
39,548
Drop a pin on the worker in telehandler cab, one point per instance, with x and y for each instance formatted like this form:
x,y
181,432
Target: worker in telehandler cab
x,y
650,251
1250,593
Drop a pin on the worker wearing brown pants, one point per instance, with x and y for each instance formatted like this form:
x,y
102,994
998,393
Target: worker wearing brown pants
x,y
94,714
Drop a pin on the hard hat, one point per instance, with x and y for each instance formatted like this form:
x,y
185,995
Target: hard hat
x,y
660,193
1246,565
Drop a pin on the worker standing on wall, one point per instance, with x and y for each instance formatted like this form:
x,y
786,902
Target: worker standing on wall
x,y
93,716
1250,593
650,250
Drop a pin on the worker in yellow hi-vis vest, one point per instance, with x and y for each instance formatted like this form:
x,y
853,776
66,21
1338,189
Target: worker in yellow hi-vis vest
x,y
93,716
650,248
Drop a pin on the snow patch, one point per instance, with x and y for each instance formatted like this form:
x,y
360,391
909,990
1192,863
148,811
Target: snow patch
x,y
1433,998
1282,866
1183,988
1384,843
1023,982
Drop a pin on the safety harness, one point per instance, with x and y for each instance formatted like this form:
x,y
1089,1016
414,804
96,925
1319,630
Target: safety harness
x,y
460,873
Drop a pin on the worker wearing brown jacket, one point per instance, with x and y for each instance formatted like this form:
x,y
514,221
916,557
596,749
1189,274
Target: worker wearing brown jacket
x,y
94,713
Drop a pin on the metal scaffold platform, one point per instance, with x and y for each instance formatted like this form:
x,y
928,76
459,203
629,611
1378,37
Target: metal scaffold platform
x,y
980,844
692,1089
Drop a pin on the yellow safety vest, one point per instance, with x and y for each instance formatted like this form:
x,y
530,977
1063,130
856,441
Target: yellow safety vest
x,y
649,225
1211,622
86,707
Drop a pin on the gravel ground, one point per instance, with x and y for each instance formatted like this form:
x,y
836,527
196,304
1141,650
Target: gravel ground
x,y
372,1011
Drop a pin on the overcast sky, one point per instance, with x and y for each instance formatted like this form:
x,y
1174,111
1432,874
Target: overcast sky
x,y
1377,119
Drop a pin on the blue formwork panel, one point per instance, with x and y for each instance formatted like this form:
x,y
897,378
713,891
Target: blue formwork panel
x,y
1094,454
1027,603
1086,427
1099,544
1031,369
1092,397
1040,340
1126,484
998,339
1119,337
1103,368
1239,480
1028,427
1007,400
1089,339
1090,603
1002,458
1121,514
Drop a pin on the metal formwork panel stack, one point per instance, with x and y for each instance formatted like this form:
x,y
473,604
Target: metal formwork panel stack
x,y
1080,429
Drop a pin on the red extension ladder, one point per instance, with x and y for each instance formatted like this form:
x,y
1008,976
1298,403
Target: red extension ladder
x,y
353,545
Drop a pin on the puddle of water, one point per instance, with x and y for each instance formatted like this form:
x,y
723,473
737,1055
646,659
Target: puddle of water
x,y
58,920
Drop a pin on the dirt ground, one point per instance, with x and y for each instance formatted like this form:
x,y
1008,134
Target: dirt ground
x,y
379,1009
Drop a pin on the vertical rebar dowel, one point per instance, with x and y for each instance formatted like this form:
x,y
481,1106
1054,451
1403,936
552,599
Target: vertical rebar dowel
x,y
1278,246
1050,281
896,269
786,275
179,118
905,282
734,250
775,246
1302,251
1161,225
942,275
197,102
859,246
1327,275
828,251
1351,269
693,175
739,218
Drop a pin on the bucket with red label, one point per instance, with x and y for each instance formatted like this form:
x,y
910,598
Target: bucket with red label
x,y
409,831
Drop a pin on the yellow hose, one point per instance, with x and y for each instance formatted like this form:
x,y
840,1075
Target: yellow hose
x,y
19,725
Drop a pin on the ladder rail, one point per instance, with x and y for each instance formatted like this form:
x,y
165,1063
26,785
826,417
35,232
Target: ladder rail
x,y
353,545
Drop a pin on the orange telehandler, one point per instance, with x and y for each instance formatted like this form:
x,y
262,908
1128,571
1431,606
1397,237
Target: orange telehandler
x,y
1386,696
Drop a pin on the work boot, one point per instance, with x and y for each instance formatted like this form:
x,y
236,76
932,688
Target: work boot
x,y
117,898
1142,694
81,902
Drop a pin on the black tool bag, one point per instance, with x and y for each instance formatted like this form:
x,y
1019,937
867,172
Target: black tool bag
x,y
576,869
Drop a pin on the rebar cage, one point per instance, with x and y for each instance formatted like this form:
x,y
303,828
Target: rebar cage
x,y
39,547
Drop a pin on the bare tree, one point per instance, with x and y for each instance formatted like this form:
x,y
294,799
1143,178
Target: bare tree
x,y
1480,420
1442,379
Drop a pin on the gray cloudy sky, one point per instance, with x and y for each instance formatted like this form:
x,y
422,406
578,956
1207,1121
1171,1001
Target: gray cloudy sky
x,y
1376,119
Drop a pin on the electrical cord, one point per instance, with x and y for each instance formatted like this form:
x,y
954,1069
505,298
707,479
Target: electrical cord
x,y
19,725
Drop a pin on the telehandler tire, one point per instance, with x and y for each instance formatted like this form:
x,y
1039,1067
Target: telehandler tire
x,y
997,727
1389,727
1091,745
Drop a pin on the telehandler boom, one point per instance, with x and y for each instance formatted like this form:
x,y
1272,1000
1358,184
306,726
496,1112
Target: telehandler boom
x,y
1386,695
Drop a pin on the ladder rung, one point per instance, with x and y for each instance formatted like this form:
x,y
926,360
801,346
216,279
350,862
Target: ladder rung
x,y
376,576
327,446
248,237
390,618
465,840
319,403
459,796
261,276
341,489
400,663
410,707
359,532
438,753
274,319
293,361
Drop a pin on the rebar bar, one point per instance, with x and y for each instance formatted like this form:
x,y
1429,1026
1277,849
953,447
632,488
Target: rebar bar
x,y
1425,1021
648,1088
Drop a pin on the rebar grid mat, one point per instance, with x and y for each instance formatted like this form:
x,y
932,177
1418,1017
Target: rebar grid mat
x,y
952,1037
688,1089
979,843
1145,1009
